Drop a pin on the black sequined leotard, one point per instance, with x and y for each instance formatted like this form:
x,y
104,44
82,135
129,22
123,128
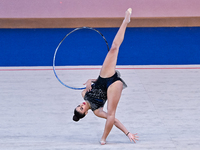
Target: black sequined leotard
x,y
97,97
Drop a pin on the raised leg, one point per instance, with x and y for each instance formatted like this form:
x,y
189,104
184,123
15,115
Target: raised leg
x,y
108,68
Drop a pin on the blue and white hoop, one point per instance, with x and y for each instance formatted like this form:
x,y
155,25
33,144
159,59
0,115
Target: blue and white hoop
x,y
54,57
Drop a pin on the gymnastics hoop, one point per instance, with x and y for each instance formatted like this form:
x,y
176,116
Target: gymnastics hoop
x,y
54,57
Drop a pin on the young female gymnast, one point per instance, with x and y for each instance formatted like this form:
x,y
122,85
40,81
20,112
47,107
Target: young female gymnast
x,y
109,87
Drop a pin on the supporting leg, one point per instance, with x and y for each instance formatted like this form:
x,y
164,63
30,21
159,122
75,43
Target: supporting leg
x,y
114,94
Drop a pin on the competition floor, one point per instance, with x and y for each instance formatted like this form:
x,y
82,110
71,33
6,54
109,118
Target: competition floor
x,y
161,104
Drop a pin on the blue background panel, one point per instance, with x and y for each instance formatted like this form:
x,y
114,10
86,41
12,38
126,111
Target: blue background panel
x,y
141,46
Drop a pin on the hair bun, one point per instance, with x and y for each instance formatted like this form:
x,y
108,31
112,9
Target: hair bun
x,y
75,118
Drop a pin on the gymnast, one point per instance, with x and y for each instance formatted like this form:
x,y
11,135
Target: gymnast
x,y
108,87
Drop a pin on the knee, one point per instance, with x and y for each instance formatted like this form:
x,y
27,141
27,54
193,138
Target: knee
x,y
111,114
114,48
111,119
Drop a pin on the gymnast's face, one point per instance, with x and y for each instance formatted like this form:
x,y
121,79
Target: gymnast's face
x,y
82,108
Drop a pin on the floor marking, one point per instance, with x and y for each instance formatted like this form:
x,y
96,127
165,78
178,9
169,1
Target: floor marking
x,y
43,69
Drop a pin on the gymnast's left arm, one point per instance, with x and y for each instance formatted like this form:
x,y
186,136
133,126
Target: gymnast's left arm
x,y
89,83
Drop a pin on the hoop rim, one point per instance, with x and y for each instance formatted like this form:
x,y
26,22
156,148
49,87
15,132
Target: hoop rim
x,y
54,57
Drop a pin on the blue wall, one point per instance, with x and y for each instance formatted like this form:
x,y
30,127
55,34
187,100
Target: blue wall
x,y
141,46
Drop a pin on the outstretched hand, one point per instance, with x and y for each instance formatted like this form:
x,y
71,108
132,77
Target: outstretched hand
x,y
133,137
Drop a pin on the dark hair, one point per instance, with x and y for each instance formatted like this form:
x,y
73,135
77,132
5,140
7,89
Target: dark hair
x,y
77,115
